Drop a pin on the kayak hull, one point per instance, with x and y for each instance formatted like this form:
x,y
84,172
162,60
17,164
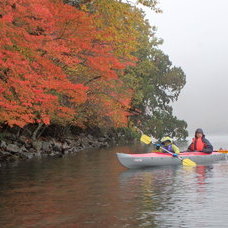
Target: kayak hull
x,y
134,161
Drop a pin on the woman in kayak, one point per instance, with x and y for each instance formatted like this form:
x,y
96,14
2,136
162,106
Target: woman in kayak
x,y
167,144
200,143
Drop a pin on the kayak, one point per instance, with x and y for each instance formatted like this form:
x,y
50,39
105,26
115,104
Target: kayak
x,y
133,161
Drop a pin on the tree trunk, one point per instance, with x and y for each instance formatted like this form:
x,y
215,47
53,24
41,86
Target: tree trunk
x,y
18,133
41,132
36,131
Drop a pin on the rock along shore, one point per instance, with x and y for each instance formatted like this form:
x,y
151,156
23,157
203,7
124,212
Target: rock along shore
x,y
13,149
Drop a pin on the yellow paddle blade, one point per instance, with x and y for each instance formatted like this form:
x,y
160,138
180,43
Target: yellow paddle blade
x,y
146,139
188,162
222,151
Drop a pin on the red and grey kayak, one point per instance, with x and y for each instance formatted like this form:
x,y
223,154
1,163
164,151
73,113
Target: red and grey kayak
x,y
158,159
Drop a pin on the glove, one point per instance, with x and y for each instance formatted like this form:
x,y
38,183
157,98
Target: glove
x,y
175,155
157,146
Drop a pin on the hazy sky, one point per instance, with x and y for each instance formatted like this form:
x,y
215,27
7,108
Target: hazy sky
x,y
195,34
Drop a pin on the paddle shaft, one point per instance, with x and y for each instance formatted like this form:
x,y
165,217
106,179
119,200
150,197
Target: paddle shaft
x,y
171,153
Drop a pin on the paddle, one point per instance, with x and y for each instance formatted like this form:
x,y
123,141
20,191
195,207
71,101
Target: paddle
x,y
146,139
222,151
186,161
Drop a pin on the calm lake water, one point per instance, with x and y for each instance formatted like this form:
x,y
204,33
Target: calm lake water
x,y
91,189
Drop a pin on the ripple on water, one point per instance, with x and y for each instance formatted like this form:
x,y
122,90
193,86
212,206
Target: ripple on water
x,y
91,189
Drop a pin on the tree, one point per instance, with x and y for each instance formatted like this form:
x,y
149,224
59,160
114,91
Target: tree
x,y
162,123
109,100
86,63
41,41
157,83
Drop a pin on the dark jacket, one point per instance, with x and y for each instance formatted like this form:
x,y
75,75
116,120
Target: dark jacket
x,y
208,148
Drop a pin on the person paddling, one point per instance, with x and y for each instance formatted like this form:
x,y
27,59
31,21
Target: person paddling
x,y
167,143
200,143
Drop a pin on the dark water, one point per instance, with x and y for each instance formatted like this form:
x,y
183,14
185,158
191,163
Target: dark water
x,y
91,189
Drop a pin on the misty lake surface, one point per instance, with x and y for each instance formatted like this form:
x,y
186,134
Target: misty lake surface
x,y
91,189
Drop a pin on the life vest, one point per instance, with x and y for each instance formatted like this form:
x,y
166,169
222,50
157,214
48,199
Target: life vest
x,y
197,144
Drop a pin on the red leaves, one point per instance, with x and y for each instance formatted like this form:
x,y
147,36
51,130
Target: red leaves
x,y
7,18
40,39
45,119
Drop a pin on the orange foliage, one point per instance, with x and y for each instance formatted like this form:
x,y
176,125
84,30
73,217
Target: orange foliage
x,y
39,39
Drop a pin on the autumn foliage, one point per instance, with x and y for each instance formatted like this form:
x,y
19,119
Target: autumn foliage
x,y
84,63
56,66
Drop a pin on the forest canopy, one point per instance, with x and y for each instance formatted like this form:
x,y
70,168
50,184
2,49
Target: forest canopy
x,y
86,63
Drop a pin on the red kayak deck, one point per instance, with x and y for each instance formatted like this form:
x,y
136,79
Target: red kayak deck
x,y
160,154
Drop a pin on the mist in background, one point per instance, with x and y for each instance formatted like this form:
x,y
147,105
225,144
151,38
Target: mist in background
x,y
195,37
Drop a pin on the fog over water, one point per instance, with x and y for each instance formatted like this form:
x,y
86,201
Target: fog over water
x,y
195,38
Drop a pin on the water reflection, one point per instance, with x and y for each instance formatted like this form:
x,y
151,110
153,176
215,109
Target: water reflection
x,y
175,196
91,189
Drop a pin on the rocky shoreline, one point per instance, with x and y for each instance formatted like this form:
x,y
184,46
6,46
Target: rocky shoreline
x,y
14,149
